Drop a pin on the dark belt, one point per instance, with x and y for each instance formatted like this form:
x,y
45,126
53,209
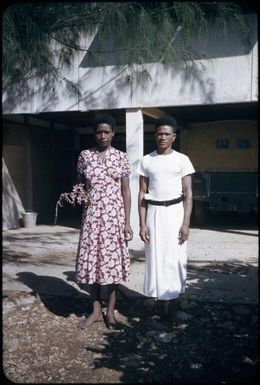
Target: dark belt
x,y
165,203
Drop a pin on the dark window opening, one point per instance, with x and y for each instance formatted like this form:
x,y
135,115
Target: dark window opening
x,y
222,143
243,143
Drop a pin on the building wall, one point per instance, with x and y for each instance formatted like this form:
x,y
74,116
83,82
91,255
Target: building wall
x,y
14,153
37,160
12,208
42,161
228,74
199,142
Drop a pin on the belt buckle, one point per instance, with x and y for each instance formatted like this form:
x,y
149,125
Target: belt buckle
x,y
164,203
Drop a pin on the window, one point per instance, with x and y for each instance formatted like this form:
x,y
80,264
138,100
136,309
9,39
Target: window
x,y
222,143
243,143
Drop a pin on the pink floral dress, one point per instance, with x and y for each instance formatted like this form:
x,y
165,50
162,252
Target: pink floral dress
x,y
102,251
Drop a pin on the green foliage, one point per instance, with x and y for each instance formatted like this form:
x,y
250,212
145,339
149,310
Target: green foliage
x,y
40,39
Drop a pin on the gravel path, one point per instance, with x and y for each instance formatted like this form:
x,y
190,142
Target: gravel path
x,y
213,338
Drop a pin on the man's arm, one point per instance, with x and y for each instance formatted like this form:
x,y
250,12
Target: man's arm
x,y
187,204
142,208
126,194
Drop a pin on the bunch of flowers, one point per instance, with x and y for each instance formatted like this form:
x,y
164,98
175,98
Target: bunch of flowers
x,y
78,195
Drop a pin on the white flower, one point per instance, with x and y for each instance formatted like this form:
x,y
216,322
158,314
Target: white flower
x,y
108,225
105,200
109,280
97,171
77,195
96,213
112,247
112,272
113,212
97,195
111,263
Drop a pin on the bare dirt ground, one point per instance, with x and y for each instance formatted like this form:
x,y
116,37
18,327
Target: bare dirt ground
x,y
213,340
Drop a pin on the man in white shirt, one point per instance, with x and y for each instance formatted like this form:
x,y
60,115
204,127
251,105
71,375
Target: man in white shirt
x,y
165,205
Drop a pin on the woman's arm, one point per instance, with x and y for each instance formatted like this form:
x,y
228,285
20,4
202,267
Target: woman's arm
x,y
142,208
126,194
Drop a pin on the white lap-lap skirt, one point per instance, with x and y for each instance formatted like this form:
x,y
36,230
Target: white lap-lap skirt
x,y
166,259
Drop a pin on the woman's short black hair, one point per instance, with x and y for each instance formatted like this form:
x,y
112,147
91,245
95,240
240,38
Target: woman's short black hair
x,y
104,118
166,121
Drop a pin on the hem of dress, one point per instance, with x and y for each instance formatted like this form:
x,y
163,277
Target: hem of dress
x,y
103,283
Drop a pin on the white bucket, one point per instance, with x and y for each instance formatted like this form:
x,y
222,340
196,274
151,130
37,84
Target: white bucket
x,y
29,219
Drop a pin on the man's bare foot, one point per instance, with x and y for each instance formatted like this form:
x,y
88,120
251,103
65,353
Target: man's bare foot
x,y
164,309
172,310
86,322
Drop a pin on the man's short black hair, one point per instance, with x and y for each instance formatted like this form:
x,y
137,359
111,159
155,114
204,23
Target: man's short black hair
x,y
104,118
166,121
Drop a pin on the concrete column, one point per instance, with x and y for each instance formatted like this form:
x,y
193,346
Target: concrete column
x,y
134,149
29,182
254,61
254,73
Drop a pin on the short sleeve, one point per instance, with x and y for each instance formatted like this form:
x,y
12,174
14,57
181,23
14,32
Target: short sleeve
x,y
125,167
80,164
141,168
187,167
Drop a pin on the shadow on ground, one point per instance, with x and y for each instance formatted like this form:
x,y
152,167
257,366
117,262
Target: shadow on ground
x,y
54,293
217,344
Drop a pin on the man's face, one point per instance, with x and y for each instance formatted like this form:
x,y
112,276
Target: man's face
x,y
104,135
164,137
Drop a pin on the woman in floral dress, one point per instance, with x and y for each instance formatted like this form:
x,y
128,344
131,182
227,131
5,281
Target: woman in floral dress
x,y
102,257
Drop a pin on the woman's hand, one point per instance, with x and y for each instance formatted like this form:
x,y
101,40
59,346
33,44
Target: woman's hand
x,y
128,233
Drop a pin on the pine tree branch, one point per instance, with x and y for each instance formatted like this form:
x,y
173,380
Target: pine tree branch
x,y
78,48
178,30
142,30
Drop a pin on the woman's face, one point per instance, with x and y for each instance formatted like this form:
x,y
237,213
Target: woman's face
x,y
104,135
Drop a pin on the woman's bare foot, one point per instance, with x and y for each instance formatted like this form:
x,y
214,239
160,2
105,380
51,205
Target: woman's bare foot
x,y
86,322
111,322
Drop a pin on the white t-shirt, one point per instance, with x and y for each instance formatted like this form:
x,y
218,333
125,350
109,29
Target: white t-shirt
x,y
165,173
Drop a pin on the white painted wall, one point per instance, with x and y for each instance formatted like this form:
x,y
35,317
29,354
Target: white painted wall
x,y
230,77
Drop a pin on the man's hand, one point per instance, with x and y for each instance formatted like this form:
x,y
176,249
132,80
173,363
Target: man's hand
x,y
144,234
183,233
